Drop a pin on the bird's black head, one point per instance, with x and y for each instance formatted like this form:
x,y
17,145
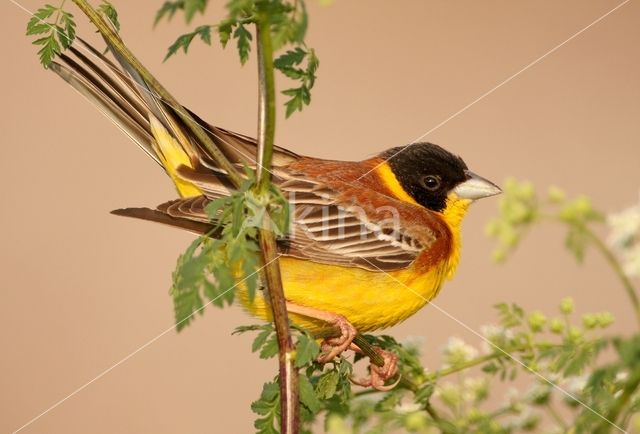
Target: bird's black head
x,y
428,173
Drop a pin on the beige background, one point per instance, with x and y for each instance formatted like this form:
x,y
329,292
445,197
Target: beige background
x,y
82,289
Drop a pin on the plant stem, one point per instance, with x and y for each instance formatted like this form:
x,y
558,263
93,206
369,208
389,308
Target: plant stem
x,y
289,401
117,45
556,417
611,418
617,268
462,366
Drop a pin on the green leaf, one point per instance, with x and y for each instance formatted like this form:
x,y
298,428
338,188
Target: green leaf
x,y
240,8
204,32
50,49
313,63
69,29
109,11
307,349
490,368
308,396
184,41
238,218
327,384
389,401
191,7
290,58
260,339
248,328
215,206
250,271
267,406
244,38
168,9
424,393
56,35
63,37
225,28
510,315
300,97
186,302
270,347
576,242
301,23
39,19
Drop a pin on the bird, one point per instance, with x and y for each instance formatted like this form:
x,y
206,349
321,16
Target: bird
x,y
371,241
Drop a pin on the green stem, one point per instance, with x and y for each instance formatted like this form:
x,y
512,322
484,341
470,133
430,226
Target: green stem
x,y
59,12
117,45
289,400
433,413
508,409
266,103
617,268
621,403
556,417
462,366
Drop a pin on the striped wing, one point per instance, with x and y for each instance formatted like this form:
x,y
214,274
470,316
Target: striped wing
x,y
325,229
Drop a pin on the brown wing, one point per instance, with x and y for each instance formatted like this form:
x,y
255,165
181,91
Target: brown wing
x,y
327,226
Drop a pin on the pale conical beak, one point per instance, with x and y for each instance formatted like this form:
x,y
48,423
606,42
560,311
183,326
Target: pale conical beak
x,y
476,187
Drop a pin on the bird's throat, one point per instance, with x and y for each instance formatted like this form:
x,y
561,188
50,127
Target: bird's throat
x,y
453,215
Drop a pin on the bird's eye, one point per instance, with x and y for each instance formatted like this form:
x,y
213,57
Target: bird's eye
x,y
431,182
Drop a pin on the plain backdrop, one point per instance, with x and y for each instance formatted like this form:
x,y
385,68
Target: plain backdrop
x,y
85,293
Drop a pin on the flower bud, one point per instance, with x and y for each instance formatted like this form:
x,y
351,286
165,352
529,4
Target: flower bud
x,y
566,305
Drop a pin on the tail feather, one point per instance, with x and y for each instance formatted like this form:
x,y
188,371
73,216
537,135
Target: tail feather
x,y
153,215
95,91
121,94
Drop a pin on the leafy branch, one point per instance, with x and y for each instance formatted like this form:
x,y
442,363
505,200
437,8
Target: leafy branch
x,y
562,354
521,209
288,23
189,7
290,386
55,29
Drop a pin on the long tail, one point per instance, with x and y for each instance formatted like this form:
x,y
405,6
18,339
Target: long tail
x,y
123,97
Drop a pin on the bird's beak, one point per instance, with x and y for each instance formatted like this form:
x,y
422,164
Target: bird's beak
x,y
476,187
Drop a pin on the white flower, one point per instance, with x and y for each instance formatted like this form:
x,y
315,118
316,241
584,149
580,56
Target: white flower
x,y
408,407
413,342
576,385
495,336
625,237
631,261
475,389
457,351
625,227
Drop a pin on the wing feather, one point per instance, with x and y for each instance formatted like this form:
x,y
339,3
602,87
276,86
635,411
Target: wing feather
x,y
328,231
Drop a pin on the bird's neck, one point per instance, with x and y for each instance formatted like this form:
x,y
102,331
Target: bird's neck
x,y
453,214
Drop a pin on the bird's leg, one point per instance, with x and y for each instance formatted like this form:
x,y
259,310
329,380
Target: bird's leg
x,y
379,374
336,345
332,346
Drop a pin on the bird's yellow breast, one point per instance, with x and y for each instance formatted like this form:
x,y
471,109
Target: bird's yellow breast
x,y
369,300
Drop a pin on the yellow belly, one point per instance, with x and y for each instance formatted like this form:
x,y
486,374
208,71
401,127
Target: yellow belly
x,y
369,300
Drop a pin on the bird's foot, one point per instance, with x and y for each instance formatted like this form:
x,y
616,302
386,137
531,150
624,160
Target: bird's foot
x,y
335,346
378,375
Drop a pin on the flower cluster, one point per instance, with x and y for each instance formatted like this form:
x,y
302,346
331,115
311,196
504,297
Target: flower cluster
x,y
624,237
